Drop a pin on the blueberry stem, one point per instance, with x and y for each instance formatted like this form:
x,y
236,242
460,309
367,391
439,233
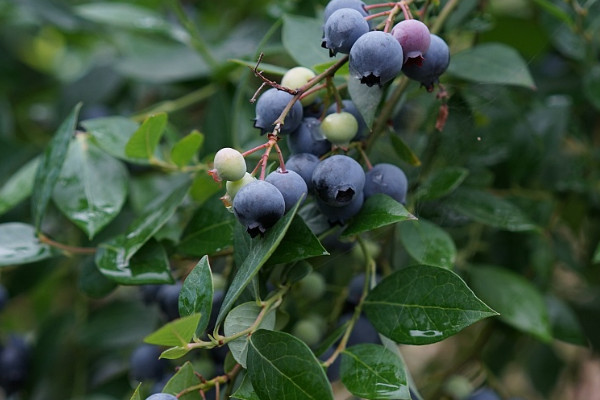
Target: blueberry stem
x,y
280,156
65,247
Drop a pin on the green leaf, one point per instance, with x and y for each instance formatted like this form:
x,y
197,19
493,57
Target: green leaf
x,y
175,333
282,367
203,188
19,245
174,353
196,294
490,210
379,210
596,256
183,379
301,37
264,67
111,134
371,371
113,257
209,231
92,186
555,11
494,63
144,141
241,318
19,186
441,183
427,243
261,249
50,165
123,15
591,85
136,393
365,98
564,323
298,244
520,304
343,71
403,151
185,149
423,304
245,391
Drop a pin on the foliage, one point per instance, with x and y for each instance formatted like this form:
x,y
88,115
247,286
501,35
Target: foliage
x,y
111,113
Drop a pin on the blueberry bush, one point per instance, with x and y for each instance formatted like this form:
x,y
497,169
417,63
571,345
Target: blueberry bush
x,y
266,200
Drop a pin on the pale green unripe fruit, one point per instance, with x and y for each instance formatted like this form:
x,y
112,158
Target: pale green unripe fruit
x,y
230,164
312,286
297,77
234,186
308,331
339,128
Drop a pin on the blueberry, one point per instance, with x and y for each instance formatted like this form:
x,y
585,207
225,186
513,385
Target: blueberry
x,y
303,164
258,206
337,180
339,128
375,58
414,37
340,215
290,184
350,107
146,364
335,5
484,394
342,29
230,164
234,186
387,179
435,63
162,396
149,293
308,138
168,300
269,107
3,297
363,331
355,288
14,364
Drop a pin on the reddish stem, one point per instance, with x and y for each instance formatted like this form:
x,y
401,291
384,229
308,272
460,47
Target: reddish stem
x,y
380,5
262,146
377,15
281,160
405,10
365,157
263,161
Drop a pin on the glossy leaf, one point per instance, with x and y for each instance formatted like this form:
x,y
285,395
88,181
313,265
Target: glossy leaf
x,y
175,333
209,231
19,244
114,256
19,186
520,304
92,186
403,151
423,304
50,166
490,210
144,141
371,371
298,244
301,37
196,294
111,134
136,393
281,366
186,148
183,379
563,321
173,353
245,391
239,319
365,98
427,243
379,210
494,63
441,183
261,249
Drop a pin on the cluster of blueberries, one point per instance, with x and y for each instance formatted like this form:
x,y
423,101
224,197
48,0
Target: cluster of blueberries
x,y
15,354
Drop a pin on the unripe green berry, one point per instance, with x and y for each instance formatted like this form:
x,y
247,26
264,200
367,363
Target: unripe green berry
x,y
312,286
339,128
230,164
297,77
308,331
234,186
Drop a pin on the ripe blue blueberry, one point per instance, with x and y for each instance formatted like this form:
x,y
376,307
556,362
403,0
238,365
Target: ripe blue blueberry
x,y
303,164
355,288
414,37
350,107
145,363
337,180
290,184
335,5
387,179
161,396
341,215
435,63
14,364
168,300
269,107
363,331
342,29
258,206
376,58
308,138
